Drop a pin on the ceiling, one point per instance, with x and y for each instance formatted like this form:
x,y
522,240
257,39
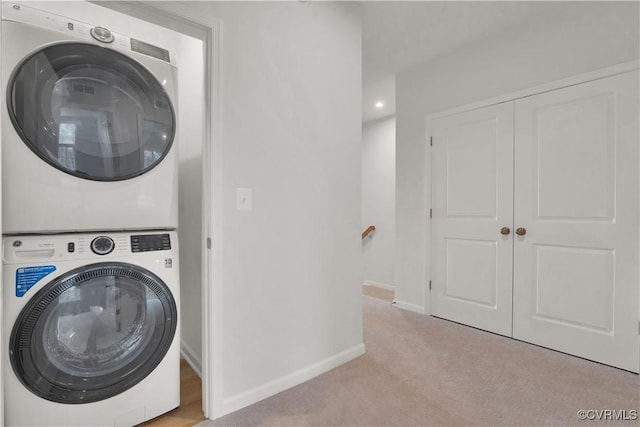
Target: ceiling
x,y
397,35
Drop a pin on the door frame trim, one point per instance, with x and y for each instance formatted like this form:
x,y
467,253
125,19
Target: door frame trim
x,y
613,70
601,73
1,277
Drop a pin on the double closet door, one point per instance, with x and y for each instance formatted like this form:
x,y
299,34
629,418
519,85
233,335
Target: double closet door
x,y
535,219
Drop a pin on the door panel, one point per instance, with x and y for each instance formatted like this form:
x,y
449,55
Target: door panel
x,y
562,276
566,132
576,178
470,154
471,261
472,198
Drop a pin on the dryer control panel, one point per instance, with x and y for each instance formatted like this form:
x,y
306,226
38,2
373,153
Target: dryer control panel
x,y
71,27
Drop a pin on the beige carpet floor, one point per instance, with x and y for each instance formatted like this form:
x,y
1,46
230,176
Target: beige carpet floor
x,y
424,371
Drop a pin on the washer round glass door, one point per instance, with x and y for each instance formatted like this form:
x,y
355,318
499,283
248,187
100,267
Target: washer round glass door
x,y
91,111
93,333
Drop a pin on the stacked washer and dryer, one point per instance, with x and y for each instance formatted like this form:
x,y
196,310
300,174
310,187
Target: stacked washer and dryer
x,y
89,185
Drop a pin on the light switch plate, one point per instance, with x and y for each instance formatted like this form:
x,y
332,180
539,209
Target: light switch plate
x,y
243,199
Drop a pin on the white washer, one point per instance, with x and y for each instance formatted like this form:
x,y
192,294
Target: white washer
x,y
88,127
91,328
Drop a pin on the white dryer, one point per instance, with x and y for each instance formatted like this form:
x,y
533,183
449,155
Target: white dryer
x,y
88,127
91,327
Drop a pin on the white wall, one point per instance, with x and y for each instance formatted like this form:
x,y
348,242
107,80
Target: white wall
x,y
378,200
191,100
291,131
580,37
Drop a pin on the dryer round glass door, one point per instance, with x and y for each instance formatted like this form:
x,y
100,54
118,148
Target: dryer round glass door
x,y
91,112
93,333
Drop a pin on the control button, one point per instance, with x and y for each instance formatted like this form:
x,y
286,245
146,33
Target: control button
x,y
102,245
71,247
101,34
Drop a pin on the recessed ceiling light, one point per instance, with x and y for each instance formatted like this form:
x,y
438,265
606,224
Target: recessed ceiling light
x,y
379,104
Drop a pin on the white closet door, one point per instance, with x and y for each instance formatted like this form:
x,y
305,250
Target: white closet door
x,y
576,177
472,199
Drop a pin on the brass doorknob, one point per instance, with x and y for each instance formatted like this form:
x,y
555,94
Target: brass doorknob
x,y
505,231
521,231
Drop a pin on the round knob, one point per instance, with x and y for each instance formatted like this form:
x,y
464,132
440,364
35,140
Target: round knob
x,y
102,245
101,34
505,231
521,231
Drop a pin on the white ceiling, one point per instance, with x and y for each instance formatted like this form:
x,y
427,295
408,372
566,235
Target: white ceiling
x,y
397,35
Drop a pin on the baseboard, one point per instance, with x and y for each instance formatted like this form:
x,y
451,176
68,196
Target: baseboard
x,y
380,285
281,384
408,306
194,360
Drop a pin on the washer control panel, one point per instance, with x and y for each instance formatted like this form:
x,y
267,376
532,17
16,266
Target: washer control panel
x,y
150,242
101,34
62,247
102,245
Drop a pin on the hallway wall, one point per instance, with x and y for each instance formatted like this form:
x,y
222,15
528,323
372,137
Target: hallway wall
x,y
378,200
291,132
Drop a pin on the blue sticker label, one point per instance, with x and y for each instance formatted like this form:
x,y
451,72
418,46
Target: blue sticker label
x,y
28,276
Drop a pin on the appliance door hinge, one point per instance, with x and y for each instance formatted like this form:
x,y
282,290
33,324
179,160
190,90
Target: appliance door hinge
x,y
431,141
208,242
429,284
430,212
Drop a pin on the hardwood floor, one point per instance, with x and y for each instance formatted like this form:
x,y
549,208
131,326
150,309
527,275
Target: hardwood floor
x,y
189,412
379,293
